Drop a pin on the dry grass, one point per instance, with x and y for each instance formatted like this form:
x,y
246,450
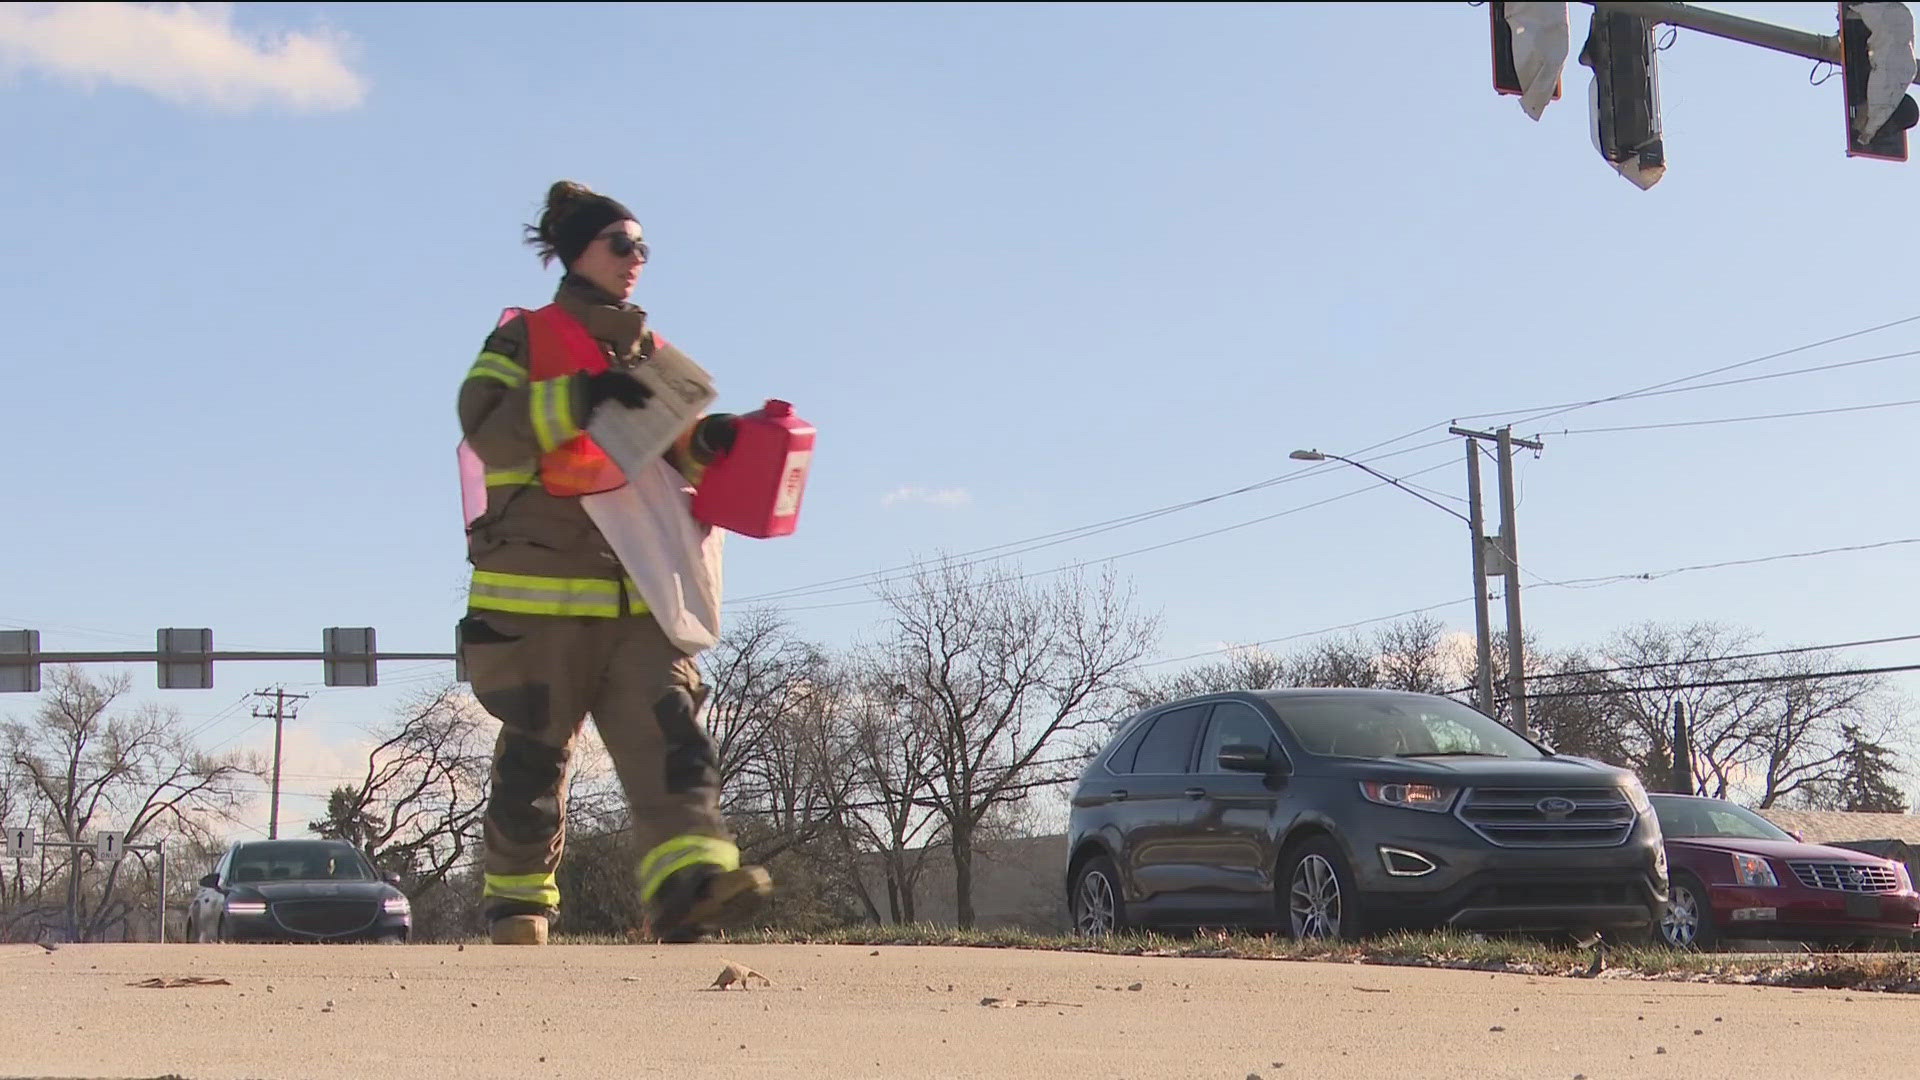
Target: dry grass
x,y
1895,972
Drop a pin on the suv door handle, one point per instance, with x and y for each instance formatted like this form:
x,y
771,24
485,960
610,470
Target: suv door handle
x,y
1120,795
1196,793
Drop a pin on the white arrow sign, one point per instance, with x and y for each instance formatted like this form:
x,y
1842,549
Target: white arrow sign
x,y
20,843
109,846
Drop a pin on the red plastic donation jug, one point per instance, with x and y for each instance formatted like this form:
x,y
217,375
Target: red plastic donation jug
x,y
754,489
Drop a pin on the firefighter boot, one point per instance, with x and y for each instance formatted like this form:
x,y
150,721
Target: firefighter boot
x,y
702,899
520,930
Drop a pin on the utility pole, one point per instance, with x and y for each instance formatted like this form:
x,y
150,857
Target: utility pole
x,y
280,716
1482,629
1510,543
1509,567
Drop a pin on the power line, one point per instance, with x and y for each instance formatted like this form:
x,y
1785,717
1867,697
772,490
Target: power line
x,y
1308,633
1149,548
1082,532
1739,419
1752,681
1652,665
1556,410
1743,381
964,559
1653,575
1576,583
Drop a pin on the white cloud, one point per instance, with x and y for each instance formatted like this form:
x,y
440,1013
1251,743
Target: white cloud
x,y
917,493
190,54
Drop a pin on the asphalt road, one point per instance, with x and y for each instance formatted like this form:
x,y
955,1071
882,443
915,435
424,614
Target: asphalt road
x,y
895,1012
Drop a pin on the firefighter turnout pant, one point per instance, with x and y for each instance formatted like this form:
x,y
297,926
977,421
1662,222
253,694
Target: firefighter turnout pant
x,y
541,676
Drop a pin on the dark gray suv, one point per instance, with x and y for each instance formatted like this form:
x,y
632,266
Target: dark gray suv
x,y
1329,813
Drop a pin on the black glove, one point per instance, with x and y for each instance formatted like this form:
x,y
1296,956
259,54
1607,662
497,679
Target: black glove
x,y
610,385
713,436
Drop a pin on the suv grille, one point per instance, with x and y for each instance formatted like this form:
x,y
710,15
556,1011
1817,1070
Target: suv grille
x,y
326,917
1548,817
1846,877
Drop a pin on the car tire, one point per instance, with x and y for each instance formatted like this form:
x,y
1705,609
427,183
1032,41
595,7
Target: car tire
x,y
1317,897
1688,921
1095,903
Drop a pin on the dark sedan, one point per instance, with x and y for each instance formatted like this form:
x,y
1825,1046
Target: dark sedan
x,y
1738,875
297,890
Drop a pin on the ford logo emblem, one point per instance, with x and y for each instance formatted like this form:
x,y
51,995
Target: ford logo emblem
x,y
1554,806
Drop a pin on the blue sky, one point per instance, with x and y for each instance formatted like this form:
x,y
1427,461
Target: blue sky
x,y
1026,268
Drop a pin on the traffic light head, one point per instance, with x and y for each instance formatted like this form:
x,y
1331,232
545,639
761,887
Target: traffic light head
x,y
1877,61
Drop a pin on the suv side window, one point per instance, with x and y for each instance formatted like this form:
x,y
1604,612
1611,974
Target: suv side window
x,y
1235,724
1168,747
1121,760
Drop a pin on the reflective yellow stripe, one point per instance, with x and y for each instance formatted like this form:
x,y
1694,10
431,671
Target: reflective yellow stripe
x,y
681,852
511,477
537,412
532,888
492,365
550,406
534,594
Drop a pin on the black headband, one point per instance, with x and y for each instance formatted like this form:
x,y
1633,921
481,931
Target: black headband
x,y
575,231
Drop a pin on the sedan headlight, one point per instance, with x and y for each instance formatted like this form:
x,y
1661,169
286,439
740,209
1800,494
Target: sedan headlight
x,y
1409,796
397,905
246,907
1754,871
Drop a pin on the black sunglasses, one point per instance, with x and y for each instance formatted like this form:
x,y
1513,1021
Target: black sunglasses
x,y
622,245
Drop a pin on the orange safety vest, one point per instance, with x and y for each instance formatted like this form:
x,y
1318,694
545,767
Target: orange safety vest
x,y
561,346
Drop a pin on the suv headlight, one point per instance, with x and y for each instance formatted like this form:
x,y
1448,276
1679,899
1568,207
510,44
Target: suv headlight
x,y
397,905
1636,794
1409,796
1755,871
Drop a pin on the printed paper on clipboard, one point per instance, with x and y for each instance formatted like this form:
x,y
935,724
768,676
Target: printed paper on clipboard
x,y
682,390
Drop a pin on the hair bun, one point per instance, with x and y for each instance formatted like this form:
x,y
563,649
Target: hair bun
x,y
567,193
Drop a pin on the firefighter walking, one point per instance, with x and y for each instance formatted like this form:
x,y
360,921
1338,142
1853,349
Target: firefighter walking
x,y
556,628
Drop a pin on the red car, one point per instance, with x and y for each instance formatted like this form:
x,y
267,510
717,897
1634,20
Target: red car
x,y
1737,875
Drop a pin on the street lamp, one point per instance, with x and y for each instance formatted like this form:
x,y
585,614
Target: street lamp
x,y
1316,455
1483,633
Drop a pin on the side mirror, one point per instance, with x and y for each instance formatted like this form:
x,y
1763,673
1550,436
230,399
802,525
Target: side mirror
x,y
1798,836
391,879
1248,759
211,881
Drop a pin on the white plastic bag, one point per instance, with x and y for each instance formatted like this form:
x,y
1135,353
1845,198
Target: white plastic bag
x,y
674,559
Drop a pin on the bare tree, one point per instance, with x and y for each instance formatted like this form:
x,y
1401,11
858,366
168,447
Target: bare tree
x,y
876,775
1411,654
416,811
995,671
1761,726
771,692
90,763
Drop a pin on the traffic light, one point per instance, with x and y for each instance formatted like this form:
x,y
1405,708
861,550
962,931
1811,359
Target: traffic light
x,y
1624,100
349,656
19,661
182,659
1876,59
1529,49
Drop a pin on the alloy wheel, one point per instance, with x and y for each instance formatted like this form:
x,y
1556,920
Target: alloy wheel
x,y
1093,908
1313,898
1680,926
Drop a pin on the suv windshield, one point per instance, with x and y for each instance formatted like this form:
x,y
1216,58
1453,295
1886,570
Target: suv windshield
x,y
298,860
1397,726
1713,818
